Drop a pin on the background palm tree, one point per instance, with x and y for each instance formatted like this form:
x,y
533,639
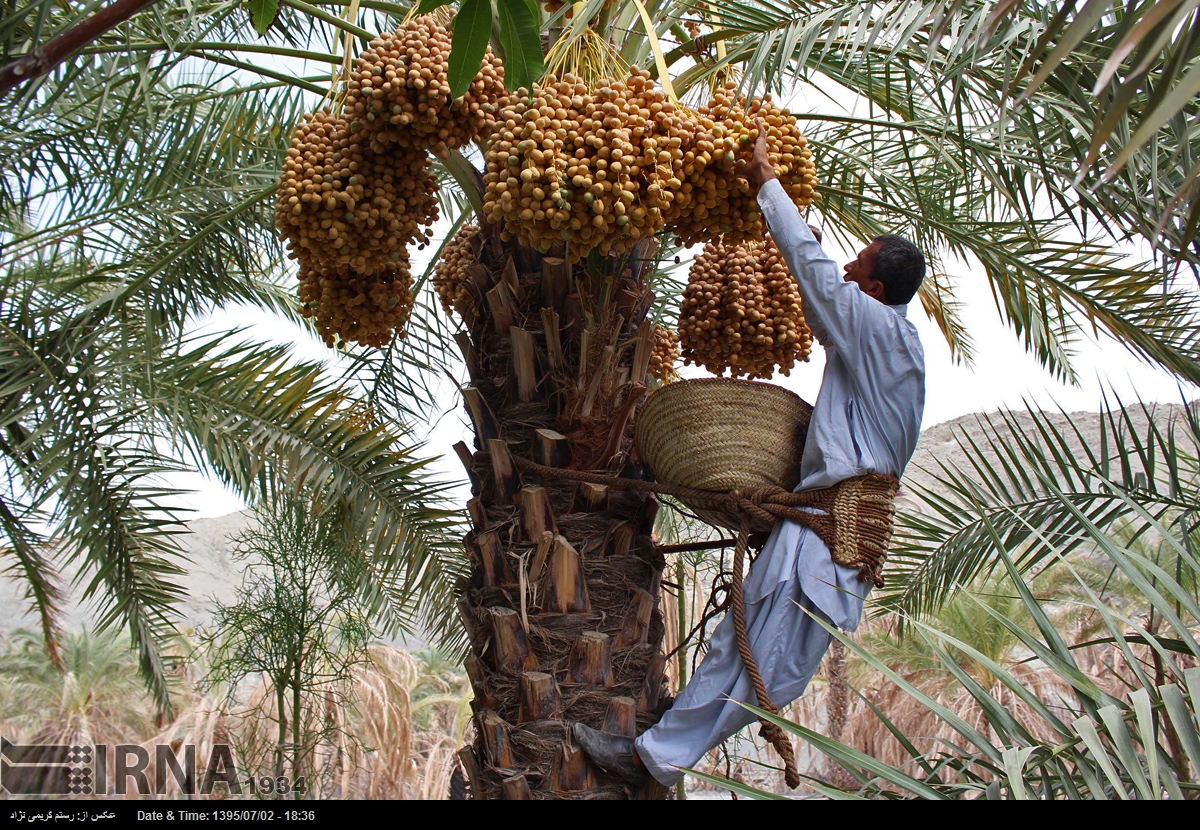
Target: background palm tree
x,y
129,209
95,697
139,176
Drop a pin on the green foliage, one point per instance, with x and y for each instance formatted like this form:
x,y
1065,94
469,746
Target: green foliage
x,y
94,694
521,38
1149,52
262,14
298,620
472,31
442,693
297,617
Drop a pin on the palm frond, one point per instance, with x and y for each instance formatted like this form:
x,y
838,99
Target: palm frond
x,y
1034,483
262,422
81,459
190,218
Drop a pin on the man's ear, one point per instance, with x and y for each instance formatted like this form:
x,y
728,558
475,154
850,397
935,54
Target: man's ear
x,y
877,290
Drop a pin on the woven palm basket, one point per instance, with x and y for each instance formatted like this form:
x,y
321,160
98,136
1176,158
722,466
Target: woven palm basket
x,y
721,434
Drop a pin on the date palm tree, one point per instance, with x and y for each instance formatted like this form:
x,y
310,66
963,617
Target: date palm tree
x,y
937,146
129,209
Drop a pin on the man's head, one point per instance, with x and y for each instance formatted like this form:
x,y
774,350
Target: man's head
x,y
889,269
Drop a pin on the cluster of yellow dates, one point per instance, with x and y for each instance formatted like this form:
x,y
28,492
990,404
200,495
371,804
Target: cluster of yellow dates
x,y
356,189
584,167
741,311
601,167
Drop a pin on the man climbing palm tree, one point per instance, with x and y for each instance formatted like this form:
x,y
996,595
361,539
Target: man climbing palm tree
x,y
866,420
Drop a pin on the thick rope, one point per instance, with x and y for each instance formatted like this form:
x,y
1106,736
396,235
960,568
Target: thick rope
x,y
867,499
768,730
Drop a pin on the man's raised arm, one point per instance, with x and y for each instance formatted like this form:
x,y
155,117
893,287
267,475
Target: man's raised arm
x,y
835,310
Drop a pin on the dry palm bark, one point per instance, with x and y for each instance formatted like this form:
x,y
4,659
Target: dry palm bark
x,y
561,606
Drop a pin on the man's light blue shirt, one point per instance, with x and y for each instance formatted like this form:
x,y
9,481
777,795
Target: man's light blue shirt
x,y
866,418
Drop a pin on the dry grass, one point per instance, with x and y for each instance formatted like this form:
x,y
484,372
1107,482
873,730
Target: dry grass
x,y
391,734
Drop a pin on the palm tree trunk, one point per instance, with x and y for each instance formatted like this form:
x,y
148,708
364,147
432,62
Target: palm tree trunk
x,y
562,603
280,697
296,730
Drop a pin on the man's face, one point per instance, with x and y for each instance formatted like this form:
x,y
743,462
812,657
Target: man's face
x,y
859,272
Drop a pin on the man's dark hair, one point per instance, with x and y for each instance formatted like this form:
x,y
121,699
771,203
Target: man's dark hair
x,y
900,266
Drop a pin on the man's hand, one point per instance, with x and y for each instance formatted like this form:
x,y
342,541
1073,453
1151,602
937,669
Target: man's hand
x,y
759,170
